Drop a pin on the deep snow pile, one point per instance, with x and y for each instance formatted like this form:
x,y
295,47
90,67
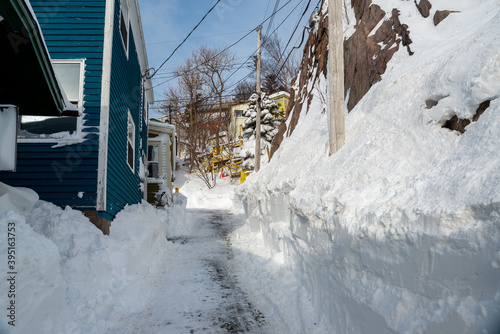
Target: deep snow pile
x,y
399,231
73,279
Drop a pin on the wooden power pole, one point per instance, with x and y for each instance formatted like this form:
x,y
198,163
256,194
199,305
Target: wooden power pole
x,y
257,126
336,75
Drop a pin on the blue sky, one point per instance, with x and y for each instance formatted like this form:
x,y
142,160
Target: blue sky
x,y
167,22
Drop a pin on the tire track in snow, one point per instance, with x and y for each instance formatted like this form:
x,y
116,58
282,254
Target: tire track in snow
x,y
238,314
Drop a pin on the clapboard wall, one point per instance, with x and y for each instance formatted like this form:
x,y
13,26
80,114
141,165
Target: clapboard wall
x,y
68,175
126,94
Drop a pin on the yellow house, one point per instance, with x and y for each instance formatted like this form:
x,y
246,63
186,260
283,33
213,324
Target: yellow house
x,y
237,119
282,98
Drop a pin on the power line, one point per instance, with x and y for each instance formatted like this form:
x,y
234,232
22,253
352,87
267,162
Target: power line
x,y
264,41
295,29
174,72
302,41
227,48
200,37
291,51
272,16
185,39
197,66
267,8
201,98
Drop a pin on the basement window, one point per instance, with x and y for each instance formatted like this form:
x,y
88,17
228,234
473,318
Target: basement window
x,y
70,74
124,24
131,142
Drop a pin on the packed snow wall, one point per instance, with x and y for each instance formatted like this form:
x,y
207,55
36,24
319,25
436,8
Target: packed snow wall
x,y
399,231
71,278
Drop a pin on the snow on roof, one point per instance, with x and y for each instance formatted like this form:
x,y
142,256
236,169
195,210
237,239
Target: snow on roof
x,y
159,124
272,96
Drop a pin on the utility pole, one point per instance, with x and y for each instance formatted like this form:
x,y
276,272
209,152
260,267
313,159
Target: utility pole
x,y
257,126
336,75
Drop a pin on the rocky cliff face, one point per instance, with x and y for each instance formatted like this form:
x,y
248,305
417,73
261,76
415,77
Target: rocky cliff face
x,y
378,35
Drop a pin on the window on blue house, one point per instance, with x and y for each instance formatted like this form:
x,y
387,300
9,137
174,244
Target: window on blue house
x,y
70,74
130,142
124,24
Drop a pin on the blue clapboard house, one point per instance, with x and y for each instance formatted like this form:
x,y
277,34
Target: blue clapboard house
x,y
93,162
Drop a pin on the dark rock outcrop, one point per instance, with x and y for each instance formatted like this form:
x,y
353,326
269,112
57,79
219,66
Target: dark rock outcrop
x,y
440,15
366,55
424,7
459,124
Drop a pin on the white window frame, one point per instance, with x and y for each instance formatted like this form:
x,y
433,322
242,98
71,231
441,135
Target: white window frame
x,y
158,157
125,12
131,120
77,137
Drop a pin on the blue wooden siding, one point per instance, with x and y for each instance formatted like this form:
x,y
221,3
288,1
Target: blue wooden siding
x,y
126,78
72,30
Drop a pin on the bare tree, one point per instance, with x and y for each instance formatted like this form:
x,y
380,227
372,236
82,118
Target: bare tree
x,y
214,66
276,65
198,116
244,90
271,83
185,101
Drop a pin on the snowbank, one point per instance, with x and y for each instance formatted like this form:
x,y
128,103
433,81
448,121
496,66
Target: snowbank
x,y
73,279
216,198
399,231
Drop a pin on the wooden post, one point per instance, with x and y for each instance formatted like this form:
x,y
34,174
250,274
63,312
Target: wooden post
x,y
336,75
257,126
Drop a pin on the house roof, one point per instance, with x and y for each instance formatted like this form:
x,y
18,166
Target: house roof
x,y
29,80
279,94
136,23
160,126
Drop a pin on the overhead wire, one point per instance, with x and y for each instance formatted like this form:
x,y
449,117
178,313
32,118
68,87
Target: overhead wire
x,y
266,37
267,8
272,17
250,57
295,47
230,46
199,37
185,39
294,30
163,75
263,43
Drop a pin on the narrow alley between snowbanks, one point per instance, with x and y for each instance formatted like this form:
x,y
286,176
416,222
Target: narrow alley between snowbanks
x,y
199,292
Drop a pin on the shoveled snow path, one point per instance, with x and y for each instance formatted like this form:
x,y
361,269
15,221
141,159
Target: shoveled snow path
x,y
198,290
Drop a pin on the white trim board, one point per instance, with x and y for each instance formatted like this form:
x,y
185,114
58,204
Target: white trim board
x,y
102,169
77,137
